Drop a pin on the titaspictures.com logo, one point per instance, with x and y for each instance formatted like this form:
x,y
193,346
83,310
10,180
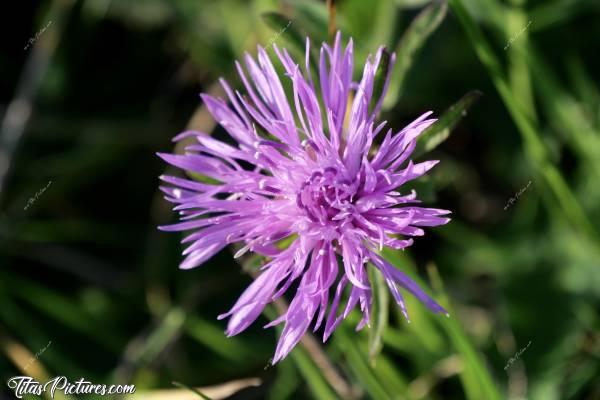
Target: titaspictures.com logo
x,y
24,385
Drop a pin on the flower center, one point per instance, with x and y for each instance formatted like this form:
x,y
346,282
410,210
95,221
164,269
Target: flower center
x,y
326,196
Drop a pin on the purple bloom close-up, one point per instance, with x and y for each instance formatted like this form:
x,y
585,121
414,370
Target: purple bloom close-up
x,y
316,177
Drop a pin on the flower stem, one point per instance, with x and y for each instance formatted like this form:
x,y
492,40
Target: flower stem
x,y
331,28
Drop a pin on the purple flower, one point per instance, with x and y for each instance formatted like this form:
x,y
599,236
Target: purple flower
x,y
305,170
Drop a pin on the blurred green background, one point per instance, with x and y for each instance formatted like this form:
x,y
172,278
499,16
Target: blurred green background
x,y
90,90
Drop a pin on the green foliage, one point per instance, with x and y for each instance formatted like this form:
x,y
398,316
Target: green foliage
x,y
409,46
195,391
380,312
440,131
109,83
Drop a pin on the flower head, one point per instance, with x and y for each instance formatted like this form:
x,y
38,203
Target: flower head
x,y
305,170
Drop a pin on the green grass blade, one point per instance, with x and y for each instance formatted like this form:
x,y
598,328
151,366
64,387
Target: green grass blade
x,y
440,131
476,379
587,90
380,313
386,17
359,364
286,383
380,77
312,18
389,373
63,309
477,382
409,46
518,72
565,112
164,334
533,144
317,384
289,32
199,393
311,373
549,14
213,338
283,25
